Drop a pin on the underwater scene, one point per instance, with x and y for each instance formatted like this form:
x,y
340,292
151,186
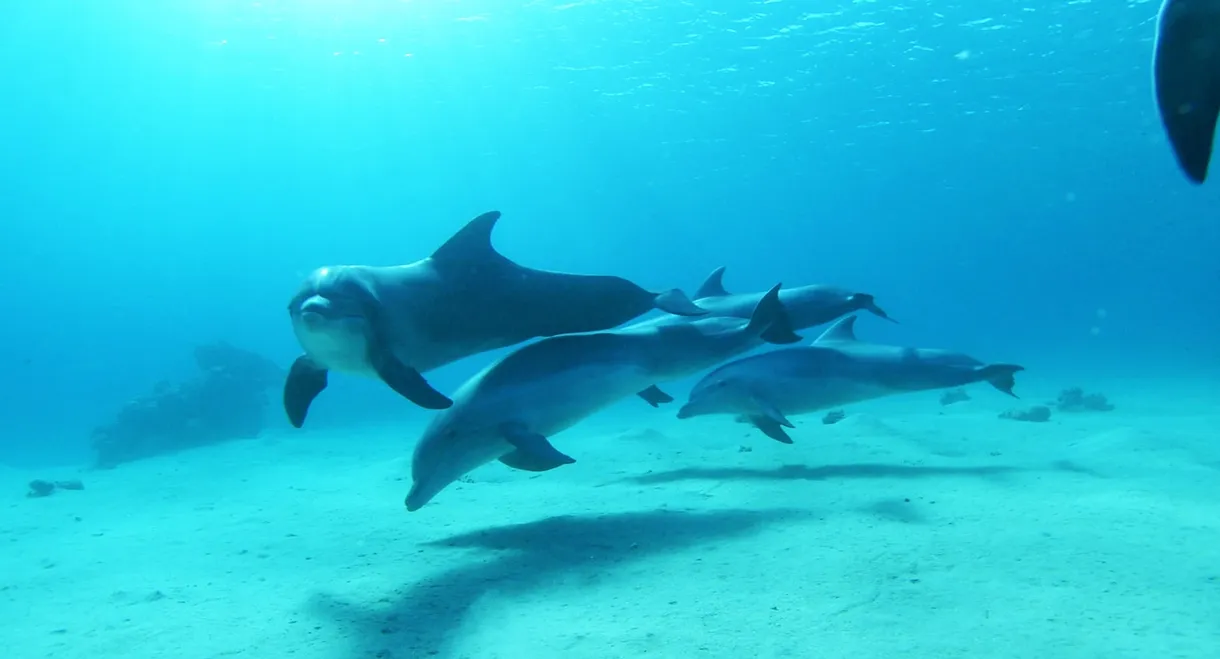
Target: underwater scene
x,y
600,329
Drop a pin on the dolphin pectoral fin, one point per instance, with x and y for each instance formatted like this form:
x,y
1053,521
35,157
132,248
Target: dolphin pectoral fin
x,y
533,449
654,396
772,412
526,461
304,382
407,381
675,302
770,427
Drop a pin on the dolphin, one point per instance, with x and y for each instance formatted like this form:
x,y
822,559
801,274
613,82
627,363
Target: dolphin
x,y
1186,78
836,369
507,411
395,323
807,306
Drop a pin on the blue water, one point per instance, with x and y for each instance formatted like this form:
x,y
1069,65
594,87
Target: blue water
x,y
993,172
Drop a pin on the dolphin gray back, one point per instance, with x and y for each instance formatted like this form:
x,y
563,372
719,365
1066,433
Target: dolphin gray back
x,y
806,306
797,362
525,302
682,349
676,349
559,353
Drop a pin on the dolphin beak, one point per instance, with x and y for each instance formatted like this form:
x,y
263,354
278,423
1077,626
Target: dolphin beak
x,y
421,493
685,412
314,310
413,501
314,305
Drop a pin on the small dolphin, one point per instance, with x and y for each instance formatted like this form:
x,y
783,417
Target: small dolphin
x,y
507,411
1186,77
835,370
395,323
807,306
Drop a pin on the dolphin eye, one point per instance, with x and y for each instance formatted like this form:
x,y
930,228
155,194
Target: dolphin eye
x,y
722,383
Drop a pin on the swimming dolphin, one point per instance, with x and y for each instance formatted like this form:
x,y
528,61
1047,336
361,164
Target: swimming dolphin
x,y
394,323
807,306
835,370
1186,77
508,410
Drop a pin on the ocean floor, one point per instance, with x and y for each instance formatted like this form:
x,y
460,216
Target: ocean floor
x,y
909,529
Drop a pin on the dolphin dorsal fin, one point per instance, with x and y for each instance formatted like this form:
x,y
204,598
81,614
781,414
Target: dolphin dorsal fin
x,y
844,329
713,286
471,243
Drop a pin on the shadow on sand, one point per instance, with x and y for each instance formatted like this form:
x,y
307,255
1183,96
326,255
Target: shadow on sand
x,y
807,473
421,618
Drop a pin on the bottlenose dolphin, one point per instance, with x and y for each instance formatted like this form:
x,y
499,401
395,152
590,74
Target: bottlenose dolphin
x,y
394,323
807,306
508,410
835,370
1186,77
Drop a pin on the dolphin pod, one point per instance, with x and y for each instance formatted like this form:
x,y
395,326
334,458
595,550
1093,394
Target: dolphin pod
x,y
396,323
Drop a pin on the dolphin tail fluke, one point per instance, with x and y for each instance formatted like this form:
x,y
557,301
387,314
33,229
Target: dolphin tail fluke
x,y
770,320
675,302
1001,377
1187,82
868,303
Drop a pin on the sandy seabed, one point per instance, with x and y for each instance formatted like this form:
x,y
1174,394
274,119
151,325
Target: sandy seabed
x,y
906,530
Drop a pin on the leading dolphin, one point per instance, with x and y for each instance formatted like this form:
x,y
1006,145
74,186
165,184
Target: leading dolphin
x,y
395,323
837,369
807,306
508,410
1186,77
